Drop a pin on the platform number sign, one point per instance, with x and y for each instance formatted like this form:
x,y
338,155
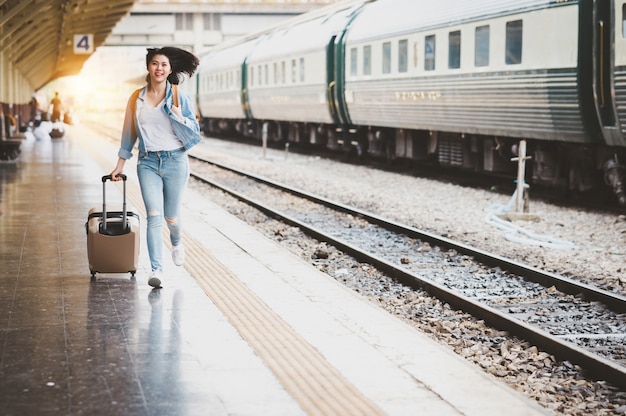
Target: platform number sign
x,y
83,43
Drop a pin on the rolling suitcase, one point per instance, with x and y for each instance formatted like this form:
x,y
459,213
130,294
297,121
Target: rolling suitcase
x,y
112,237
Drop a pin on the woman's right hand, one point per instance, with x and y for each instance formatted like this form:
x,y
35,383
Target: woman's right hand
x,y
114,174
119,169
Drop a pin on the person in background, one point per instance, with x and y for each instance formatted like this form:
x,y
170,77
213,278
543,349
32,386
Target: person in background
x,y
57,107
33,105
165,131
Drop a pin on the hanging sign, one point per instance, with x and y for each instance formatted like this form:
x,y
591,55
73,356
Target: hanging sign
x,y
83,43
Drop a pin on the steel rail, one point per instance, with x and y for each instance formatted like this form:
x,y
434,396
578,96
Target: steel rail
x,y
595,366
613,301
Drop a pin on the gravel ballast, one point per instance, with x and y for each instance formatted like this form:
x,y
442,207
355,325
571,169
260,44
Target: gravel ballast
x,y
592,249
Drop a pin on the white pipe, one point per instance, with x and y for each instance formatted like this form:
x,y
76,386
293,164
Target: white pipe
x,y
518,234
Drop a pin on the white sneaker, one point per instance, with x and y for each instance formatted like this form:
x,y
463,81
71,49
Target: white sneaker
x,y
154,279
178,254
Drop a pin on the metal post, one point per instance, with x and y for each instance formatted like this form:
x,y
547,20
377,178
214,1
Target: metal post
x,y
521,183
522,199
264,137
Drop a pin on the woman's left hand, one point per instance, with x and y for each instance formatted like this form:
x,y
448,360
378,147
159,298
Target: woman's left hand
x,y
176,110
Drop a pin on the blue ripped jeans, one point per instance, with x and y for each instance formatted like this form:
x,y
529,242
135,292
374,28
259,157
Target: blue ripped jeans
x,y
162,176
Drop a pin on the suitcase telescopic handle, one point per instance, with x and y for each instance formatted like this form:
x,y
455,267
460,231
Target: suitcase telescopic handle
x,y
110,178
104,200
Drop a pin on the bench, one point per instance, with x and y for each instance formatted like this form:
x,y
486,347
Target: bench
x,y
10,149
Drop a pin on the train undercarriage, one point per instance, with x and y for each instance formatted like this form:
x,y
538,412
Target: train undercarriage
x,y
566,167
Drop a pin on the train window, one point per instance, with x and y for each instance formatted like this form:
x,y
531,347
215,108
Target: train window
x,y
184,21
283,72
367,60
429,53
416,48
294,71
403,55
275,73
481,53
212,21
513,42
189,21
354,56
252,76
301,69
454,49
386,57
178,18
260,75
267,74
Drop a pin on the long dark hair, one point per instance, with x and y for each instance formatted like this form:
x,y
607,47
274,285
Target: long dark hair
x,y
182,62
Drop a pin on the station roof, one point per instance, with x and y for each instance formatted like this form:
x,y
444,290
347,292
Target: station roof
x,y
38,36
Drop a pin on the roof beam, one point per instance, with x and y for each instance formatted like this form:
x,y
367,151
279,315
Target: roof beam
x,y
9,29
38,35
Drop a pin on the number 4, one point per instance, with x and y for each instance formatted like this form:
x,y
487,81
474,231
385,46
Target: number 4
x,y
83,43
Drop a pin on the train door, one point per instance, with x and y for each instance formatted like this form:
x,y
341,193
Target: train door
x,y
337,48
245,102
603,70
331,80
619,67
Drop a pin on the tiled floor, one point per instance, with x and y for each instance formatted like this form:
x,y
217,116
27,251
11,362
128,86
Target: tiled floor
x,y
72,346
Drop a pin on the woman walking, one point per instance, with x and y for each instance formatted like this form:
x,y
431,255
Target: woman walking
x,y
163,119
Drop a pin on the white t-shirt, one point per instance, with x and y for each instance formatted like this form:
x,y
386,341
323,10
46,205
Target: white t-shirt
x,y
156,129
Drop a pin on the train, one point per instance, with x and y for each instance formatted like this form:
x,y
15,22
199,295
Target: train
x,y
454,83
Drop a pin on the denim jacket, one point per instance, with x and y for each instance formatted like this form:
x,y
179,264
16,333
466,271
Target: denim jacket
x,y
187,129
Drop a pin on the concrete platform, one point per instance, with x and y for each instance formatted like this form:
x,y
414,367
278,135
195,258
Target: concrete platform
x,y
244,328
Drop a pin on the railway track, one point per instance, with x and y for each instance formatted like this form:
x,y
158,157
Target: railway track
x,y
555,313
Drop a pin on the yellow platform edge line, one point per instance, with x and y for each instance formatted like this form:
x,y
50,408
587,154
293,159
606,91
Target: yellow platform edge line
x,y
316,385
